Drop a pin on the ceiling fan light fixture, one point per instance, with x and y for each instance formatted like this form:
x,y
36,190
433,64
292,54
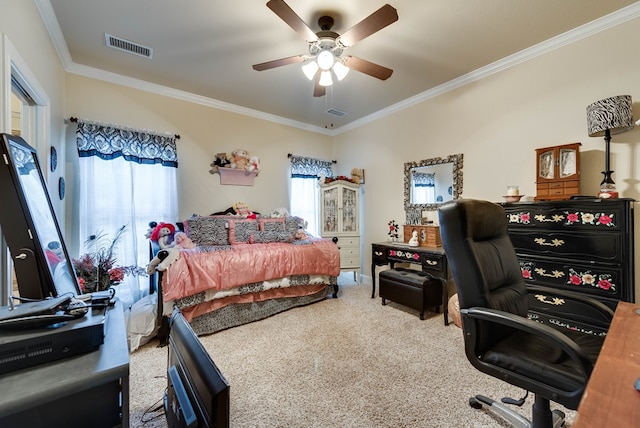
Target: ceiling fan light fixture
x,y
325,59
341,70
310,69
325,78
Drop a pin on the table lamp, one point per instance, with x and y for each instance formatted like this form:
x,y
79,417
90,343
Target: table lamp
x,y
607,117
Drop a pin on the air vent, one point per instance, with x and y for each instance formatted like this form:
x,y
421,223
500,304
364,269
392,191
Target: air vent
x,y
128,46
335,112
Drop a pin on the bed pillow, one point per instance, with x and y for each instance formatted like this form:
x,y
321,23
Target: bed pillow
x,y
241,231
271,224
293,223
266,237
208,230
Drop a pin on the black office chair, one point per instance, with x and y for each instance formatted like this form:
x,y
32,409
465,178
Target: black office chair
x,y
500,339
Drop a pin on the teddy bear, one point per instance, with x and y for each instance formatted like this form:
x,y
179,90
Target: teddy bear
x,y
239,159
163,234
356,175
254,164
221,161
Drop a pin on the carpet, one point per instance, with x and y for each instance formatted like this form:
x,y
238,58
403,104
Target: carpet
x,y
345,362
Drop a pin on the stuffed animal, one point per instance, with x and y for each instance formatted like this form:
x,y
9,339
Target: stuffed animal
x,y
239,159
152,225
167,256
183,241
243,210
356,175
279,213
221,160
254,164
163,234
163,260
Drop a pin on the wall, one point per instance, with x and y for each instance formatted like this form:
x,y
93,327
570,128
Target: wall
x,y
204,131
21,23
498,122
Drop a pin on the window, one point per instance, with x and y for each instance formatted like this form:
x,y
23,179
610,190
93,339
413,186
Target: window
x,y
304,199
423,188
127,178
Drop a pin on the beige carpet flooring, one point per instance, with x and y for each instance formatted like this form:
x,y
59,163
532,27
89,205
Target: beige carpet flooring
x,y
345,362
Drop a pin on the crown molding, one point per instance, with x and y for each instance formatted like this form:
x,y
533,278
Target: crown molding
x,y
608,21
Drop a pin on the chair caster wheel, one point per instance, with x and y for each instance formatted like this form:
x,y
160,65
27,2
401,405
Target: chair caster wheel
x,y
473,402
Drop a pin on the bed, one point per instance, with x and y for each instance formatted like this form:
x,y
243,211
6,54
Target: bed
x,y
245,269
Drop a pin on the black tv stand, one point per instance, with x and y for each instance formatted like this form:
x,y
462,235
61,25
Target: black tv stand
x,y
85,390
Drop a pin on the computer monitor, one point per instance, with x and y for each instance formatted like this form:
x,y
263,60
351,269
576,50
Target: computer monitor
x,y
29,224
197,392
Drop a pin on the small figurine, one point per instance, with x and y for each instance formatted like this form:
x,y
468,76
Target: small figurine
x,y
413,242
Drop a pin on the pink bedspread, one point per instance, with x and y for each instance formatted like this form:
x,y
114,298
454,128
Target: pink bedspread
x,y
196,271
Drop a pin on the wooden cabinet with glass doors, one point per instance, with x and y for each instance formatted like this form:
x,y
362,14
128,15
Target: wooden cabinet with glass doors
x,y
557,172
340,211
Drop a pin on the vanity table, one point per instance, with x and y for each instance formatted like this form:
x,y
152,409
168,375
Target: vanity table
x,y
428,183
432,260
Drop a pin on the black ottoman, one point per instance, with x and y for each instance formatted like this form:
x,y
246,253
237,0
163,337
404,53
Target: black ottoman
x,y
411,288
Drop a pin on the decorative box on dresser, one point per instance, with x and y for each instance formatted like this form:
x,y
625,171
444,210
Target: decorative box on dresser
x,y
583,245
340,214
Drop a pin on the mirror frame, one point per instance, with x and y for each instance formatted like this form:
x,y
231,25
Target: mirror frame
x,y
414,211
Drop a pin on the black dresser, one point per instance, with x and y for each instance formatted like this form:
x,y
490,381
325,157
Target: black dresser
x,y
583,245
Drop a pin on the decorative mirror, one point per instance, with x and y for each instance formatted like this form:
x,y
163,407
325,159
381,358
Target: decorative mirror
x,y
429,183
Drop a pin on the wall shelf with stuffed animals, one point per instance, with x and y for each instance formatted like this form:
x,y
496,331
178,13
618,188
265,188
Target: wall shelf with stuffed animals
x,y
239,169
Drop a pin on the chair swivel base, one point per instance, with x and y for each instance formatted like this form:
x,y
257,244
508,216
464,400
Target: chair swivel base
x,y
514,418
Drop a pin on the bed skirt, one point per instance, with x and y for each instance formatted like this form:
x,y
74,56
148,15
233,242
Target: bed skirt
x,y
237,314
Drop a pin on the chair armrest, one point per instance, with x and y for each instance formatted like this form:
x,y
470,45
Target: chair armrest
x,y
578,306
572,349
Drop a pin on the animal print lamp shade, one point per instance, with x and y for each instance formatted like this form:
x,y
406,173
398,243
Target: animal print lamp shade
x,y
614,114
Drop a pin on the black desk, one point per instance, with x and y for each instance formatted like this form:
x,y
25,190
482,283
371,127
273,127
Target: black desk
x,y
89,390
432,260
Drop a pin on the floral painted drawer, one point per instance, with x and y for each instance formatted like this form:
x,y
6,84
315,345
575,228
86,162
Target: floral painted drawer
x,y
584,245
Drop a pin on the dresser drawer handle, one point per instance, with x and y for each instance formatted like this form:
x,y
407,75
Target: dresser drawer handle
x,y
553,243
550,301
554,274
431,262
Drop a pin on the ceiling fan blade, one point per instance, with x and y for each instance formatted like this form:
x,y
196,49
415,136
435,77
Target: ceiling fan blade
x,y
366,67
292,19
279,62
318,89
379,19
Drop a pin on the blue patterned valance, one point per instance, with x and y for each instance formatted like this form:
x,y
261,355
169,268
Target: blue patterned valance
x,y
304,167
108,142
423,179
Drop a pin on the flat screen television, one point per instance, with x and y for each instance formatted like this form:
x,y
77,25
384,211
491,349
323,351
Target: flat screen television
x,y
29,225
197,392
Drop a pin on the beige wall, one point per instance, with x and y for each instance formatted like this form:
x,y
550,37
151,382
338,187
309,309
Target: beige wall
x,y
20,22
498,122
204,131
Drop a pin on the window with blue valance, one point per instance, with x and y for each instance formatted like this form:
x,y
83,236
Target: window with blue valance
x,y
422,179
125,177
305,196
305,167
109,142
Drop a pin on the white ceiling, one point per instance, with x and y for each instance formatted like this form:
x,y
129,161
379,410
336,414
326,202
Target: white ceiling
x,y
205,48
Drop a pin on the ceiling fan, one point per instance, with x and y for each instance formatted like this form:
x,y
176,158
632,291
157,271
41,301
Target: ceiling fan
x,y
326,47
